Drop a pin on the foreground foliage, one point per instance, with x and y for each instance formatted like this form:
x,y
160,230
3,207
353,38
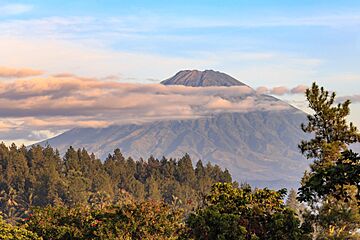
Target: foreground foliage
x,y
130,220
10,232
240,213
228,213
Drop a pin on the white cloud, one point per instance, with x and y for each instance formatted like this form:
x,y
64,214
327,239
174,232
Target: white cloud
x,y
353,98
282,90
15,9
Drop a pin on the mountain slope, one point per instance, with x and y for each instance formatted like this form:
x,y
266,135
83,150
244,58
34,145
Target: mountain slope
x,y
254,146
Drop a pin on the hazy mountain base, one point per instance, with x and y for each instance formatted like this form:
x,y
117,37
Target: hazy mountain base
x,y
257,147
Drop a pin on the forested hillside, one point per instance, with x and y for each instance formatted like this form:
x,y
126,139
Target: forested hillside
x,y
40,177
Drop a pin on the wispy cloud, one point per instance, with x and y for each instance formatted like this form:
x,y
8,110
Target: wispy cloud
x,y
282,90
269,21
352,77
6,72
142,25
15,9
353,98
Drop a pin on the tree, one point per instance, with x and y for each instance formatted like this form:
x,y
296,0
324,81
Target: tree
x,y
340,180
71,160
199,170
332,184
10,207
292,201
46,179
332,136
77,189
17,170
185,170
9,232
332,133
235,213
153,191
338,219
129,220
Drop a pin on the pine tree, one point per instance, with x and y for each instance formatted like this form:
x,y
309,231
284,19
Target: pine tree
x,y
153,191
71,160
332,133
78,188
321,188
199,170
332,137
185,170
292,201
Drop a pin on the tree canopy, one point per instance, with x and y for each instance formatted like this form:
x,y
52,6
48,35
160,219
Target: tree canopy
x,y
242,213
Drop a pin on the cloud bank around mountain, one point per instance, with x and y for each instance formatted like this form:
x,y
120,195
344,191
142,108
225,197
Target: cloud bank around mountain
x,y
35,107
69,95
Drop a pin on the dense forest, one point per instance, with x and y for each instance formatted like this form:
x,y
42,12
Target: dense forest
x,y
77,196
38,176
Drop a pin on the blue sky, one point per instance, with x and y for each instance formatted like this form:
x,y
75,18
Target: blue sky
x,y
262,43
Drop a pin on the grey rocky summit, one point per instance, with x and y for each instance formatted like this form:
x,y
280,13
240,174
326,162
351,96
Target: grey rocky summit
x,y
195,78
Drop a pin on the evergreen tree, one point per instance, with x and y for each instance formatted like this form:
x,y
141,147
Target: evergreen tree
x,y
185,170
321,188
153,167
199,170
292,201
168,168
141,172
332,133
153,191
77,188
71,160
17,170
